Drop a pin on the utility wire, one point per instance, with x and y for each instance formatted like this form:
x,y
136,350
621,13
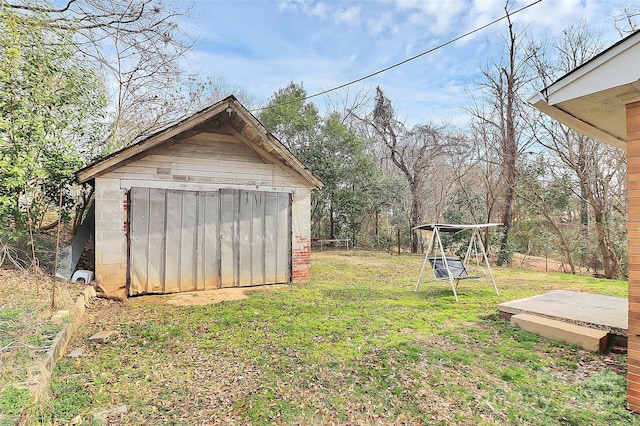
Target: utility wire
x,y
426,52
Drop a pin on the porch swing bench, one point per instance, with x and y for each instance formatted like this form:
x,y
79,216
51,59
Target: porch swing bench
x,y
454,268
448,268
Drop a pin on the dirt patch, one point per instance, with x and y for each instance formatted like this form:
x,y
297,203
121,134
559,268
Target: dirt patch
x,y
207,297
537,263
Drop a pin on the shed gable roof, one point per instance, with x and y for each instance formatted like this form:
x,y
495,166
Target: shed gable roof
x,y
591,98
232,114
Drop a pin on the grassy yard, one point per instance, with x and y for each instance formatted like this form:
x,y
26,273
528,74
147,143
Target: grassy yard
x,y
355,346
26,333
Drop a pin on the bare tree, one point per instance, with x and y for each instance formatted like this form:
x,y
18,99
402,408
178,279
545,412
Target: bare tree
x,y
498,111
547,191
416,153
599,169
488,166
138,46
626,21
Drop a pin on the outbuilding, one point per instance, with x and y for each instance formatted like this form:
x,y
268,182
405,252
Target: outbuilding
x,y
601,99
213,201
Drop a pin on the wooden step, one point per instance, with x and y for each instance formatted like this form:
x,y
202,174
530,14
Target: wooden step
x,y
587,338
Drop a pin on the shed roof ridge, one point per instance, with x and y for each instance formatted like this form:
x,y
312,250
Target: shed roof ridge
x,y
144,143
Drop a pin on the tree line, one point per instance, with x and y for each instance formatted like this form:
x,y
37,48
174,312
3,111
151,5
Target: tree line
x,y
85,78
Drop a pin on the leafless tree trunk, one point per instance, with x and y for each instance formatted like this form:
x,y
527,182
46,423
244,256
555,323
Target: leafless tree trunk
x,y
509,146
598,168
498,112
416,153
408,152
137,44
537,190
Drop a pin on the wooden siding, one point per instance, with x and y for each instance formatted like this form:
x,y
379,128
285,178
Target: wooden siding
x,y
633,224
208,158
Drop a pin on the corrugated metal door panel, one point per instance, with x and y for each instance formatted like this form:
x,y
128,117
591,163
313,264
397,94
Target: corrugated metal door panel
x,y
188,241
283,238
156,250
228,238
270,238
211,240
174,245
257,243
138,244
245,222
200,259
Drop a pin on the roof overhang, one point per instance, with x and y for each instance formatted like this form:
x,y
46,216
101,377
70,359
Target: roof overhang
x,y
229,111
591,99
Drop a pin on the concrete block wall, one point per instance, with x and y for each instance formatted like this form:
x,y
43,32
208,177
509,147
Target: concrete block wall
x,y
111,236
301,236
633,224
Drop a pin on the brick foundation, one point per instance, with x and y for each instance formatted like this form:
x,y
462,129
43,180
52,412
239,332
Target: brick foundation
x,y
633,227
301,260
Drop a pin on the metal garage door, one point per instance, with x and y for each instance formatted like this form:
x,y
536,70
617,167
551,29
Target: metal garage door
x,y
188,240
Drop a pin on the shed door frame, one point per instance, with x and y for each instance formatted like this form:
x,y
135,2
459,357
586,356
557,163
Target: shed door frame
x,y
243,233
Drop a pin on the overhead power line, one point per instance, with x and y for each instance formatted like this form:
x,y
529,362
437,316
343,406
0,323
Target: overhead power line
x,y
390,67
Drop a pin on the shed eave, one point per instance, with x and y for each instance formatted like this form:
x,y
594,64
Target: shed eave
x,y
267,139
229,105
94,170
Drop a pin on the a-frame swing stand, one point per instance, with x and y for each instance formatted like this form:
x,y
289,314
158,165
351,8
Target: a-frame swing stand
x,y
453,268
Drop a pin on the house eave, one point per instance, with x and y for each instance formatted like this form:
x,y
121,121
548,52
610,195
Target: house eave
x,y
592,98
599,73
565,117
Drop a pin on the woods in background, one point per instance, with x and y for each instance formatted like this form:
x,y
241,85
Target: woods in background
x,y
81,80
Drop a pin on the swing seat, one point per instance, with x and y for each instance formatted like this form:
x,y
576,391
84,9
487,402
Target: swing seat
x,y
453,268
456,270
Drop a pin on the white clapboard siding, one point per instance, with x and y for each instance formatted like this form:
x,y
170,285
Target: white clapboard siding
x,y
207,159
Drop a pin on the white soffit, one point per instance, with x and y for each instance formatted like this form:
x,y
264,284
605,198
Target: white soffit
x,y
620,65
591,99
611,130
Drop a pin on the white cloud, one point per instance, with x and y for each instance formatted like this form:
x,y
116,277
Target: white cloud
x,y
350,16
435,17
381,24
326,43
317,9
550,17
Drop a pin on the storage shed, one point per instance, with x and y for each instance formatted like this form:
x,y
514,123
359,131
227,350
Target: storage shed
x,y
213,201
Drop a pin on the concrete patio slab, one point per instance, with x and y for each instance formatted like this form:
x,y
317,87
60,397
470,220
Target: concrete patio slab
x,y
590,310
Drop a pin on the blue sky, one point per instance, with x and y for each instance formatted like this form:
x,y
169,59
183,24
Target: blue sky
x,y
262,45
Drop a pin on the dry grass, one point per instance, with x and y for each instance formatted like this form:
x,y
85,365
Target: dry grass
x,y
355,346
25,310
26,331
